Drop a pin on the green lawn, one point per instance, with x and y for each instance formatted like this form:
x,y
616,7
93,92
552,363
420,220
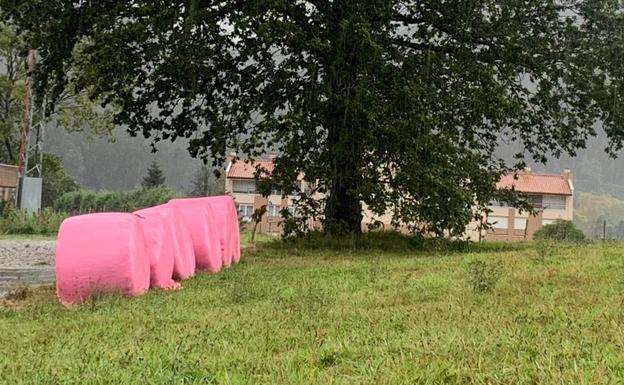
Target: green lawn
x,y
322,312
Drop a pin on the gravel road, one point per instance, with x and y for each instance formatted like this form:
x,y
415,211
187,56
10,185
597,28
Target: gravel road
x,y
26,253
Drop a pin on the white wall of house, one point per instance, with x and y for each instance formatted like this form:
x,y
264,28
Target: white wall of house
x,y
501,218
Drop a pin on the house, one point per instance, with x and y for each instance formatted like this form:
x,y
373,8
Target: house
x,y
551,195
8,182
240,182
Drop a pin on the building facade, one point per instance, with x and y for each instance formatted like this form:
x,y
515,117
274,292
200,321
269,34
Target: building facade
x,y
552,195
241,183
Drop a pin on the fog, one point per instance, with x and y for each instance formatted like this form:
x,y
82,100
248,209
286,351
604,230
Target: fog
x,y
120,162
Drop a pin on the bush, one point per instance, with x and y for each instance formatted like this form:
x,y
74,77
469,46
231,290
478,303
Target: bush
x,y
84,202
21,222
483,276
560,231
56,181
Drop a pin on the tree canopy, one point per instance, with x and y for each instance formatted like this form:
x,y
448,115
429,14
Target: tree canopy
x,y
399,105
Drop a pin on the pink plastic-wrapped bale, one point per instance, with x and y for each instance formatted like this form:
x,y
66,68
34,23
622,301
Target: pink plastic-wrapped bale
x,y
226,219
183,253
200,221
100,253
158,233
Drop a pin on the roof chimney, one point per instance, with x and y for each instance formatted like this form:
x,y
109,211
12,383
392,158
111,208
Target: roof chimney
x,y
567,173
231,158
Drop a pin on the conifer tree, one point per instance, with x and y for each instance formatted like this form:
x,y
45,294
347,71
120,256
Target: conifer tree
x,y
154,177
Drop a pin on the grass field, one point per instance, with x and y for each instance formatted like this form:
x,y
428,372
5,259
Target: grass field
x,y
383,311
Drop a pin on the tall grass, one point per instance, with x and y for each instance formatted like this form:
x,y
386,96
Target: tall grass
x,y
46,222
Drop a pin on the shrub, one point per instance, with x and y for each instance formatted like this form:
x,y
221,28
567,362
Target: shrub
x,y
560,231
56,181
483,276
21,222
546,248
82,202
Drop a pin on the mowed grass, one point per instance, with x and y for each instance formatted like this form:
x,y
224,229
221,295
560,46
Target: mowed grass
x,y
380,311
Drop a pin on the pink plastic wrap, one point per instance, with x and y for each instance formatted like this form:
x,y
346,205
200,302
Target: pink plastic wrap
x,y
100,253
184,255
200,221
226,219
158,233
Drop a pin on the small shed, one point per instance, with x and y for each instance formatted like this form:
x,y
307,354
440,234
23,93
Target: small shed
x,y
8,182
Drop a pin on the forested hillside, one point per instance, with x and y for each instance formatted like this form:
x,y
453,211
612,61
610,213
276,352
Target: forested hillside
x,y
120,162
591,212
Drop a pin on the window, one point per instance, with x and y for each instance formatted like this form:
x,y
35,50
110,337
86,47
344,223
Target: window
x,y
276,191
535,201
498,222
497,203
244,186
554,202
245,210
520,223
547,222
273,210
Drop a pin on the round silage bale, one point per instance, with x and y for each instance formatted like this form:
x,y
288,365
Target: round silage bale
x,y
184,255
158,236
100,253
200,221
226,219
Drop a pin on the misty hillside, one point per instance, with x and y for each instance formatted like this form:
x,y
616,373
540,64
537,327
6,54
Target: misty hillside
x,y
101,164
594,171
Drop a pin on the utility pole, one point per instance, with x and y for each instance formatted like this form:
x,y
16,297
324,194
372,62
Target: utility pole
x,y
22,161
28,194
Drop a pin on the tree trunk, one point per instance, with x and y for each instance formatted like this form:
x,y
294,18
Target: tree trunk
x,y
343,210
343,120
7,145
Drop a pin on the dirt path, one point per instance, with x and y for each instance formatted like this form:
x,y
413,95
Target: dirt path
x,y
25,263
26,253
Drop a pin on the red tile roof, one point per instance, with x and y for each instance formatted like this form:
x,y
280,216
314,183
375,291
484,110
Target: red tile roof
x,y
244,169
536,183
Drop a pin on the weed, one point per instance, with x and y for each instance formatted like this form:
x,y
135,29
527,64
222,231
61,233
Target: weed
x,y
20,293
545,249
483,276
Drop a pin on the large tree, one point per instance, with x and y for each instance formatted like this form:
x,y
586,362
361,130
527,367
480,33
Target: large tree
x,y
396,104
